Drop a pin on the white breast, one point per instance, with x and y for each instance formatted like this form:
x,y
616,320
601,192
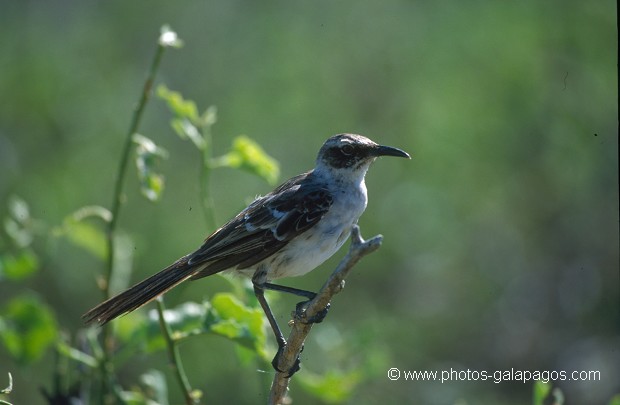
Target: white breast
x,y
310,249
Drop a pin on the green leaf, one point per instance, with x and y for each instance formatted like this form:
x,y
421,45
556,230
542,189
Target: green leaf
x,y
187,123
19,266
153,186
85,235
147,157
541,391
18,208
249,156
180,107
224,315
136,398
333,387
186,319
238,322
185,129
22,236
209,117
27,328
18,225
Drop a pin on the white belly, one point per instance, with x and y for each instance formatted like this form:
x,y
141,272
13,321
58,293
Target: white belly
x,y
307,252
310,249
313,247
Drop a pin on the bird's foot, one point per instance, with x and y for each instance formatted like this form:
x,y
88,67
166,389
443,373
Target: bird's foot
x,y
276,360
300,313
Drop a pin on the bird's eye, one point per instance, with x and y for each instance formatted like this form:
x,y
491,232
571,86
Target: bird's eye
x,y
347,149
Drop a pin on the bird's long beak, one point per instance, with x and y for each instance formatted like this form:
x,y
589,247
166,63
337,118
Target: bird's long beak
x,y
382,150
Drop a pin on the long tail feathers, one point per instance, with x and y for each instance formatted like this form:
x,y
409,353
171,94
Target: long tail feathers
x,y
141,293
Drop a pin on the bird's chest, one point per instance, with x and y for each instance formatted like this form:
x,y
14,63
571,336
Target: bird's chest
x,y
313,247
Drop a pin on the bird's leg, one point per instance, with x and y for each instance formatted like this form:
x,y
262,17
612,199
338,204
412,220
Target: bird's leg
x,y
295,291
300,308
259,291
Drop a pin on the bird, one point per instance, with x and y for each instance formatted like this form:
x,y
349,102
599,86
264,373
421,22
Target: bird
x,y
286,233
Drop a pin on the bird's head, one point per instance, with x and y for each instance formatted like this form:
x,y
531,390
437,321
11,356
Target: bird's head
x,y
350,153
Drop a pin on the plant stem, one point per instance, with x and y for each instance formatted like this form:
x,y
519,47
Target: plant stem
x,y
120,178
174,356
106,366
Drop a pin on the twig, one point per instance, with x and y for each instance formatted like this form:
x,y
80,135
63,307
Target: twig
x,y
120,178
174,356
106,364
300,329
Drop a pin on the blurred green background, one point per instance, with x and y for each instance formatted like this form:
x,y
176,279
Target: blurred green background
x,y
501,235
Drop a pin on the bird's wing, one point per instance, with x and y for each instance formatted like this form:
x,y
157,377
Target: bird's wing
x,y
264,227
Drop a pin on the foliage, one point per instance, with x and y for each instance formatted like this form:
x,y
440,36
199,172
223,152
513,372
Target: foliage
x,y
27,328
19,265
247,155
147,154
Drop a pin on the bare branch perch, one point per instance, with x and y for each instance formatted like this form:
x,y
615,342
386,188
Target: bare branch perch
x,y
301,328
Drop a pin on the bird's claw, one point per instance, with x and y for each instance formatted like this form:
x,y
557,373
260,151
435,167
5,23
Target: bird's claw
x,y
276,360
300,313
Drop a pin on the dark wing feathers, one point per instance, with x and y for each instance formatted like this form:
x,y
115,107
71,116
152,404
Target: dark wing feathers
x,y
265,227
303,215
259,231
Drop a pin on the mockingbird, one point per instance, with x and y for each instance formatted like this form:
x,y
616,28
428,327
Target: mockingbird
x,y
285,233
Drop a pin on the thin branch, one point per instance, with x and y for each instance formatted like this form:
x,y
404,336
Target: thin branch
x,y
300,329
174,356
122,169
106,364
